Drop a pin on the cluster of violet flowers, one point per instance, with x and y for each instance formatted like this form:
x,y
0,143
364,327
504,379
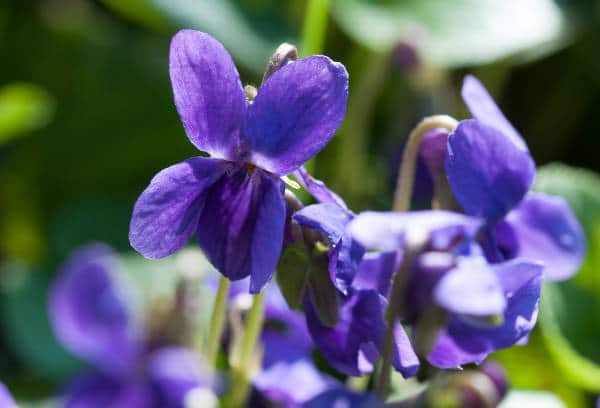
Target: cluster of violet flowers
x,y
418,292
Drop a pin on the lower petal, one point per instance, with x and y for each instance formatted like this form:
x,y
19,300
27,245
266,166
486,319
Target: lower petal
x,y
241,226
166,214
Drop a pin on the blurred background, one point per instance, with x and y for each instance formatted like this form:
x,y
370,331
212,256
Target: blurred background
x,y
87,118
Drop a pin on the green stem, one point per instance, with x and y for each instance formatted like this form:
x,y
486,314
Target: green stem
x,y
406,174
243,369
217,322
315,25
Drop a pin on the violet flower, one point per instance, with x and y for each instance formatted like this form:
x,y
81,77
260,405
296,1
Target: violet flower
x,y
233,201
450,274
92,318
490,172
353,345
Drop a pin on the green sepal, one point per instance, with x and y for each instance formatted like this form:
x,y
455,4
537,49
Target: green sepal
x,y
292,273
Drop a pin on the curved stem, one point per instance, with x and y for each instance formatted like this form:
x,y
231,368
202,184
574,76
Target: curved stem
x,y
315,24
217,322
243,369
406,173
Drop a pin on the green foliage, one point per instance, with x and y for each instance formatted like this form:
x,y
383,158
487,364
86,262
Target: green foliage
x,y
456,33
23,107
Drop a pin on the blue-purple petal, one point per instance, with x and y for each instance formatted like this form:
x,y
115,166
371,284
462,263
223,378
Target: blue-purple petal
x,y
173,372
463,342
385,231
483,108
242,223
375,271
348,346
343,397
6,400
471,288
208,93
296,112
96,390
404,358
166,214
488,174
291,383
544,228
90,314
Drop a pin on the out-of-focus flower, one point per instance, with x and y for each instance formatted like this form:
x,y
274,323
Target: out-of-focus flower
x,y
92,318
451,278
343,397
490,172
234,200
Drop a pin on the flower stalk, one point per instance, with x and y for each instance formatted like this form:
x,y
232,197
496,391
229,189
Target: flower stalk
x,y
406,173
217,322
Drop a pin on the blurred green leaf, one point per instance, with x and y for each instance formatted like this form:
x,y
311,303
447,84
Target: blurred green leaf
x,y
138,10
26,326
292,274
568,328
228,21
531,399
323,294
456,33
23,108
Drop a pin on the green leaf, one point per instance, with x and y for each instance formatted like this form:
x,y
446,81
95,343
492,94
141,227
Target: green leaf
x,y
26,326
456,33
23,108
568,328
292,274
138,10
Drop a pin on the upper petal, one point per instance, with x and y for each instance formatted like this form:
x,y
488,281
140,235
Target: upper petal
x,y
385,231
208,93
484,109
166,214
89,312
545,229
6,400
488,174
242,224
296,112
95,390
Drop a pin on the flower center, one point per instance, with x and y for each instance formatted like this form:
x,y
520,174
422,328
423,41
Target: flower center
x,y
250,167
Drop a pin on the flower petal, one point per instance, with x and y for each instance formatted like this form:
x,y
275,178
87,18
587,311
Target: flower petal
x,y
290,384
166,214
484,109
343,397
463,342
174,371
545,229
487,173
208,93
241,226
359,330
345,253
6,400
471,288
375,272
89,312
318,189
433,151
95,390
404,359
385,231
296,112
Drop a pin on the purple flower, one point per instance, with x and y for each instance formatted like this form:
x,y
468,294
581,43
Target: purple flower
x,y
353,345
343,397
450,274
233,201
490,172
92,318
6,400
